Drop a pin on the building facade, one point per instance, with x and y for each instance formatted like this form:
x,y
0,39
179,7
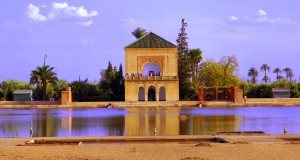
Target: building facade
x,y
151,67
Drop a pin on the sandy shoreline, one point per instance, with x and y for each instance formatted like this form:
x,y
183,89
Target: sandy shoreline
x,y
239,147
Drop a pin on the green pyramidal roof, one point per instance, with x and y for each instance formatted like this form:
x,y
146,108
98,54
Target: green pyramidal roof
x,y
151,40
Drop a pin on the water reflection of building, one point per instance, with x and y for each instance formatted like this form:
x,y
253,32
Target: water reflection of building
x,y
143,121
66,120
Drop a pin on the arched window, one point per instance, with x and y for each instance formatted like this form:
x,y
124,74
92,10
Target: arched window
x,y
151,68
141,94
151,94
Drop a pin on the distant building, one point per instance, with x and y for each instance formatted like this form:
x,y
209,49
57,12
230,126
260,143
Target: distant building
x,y
23,95
151,70
281,92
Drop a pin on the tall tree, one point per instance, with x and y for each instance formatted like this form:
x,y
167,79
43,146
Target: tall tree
x,y
112,82
278,72
139,32
42,76
195,56
228,64
220,73
253,73
287,70
265,68
184,67
290,74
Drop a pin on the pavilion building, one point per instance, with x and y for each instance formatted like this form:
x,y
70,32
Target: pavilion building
x,y
151,67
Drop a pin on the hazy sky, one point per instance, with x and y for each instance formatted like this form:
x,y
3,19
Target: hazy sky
x,y
81,36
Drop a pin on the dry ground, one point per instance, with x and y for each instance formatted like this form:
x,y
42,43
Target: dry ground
x,y
157,150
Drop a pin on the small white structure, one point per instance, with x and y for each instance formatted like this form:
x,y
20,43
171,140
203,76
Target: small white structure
x,y
23,95
281,92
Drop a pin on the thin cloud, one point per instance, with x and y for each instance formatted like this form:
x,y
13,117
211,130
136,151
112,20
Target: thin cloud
x,y
233,18
130,22
262,13
87,23
61,9
34,13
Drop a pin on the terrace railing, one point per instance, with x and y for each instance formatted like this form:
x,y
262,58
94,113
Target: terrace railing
x,y
147,78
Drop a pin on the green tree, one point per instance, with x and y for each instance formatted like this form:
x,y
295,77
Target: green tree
x,y
290,75
195,56
265,68
112,83
84,91
139,32
8,86
184,66
59,87
210,74
253,73
260,91
244,85
42,76
286,70
229,65
284,83
1,95
220,73
278,72
108,72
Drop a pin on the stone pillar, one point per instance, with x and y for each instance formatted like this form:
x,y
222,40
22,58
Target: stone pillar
x,y
201,94
233,93
146,93
156,93
217,93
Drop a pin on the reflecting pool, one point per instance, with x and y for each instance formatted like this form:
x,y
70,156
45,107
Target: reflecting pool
x,y
144,121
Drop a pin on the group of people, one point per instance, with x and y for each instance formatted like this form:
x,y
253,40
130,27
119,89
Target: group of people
x,y
140,74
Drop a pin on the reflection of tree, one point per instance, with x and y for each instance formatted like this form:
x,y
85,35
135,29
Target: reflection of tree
x,y
205,125
47,124
185,127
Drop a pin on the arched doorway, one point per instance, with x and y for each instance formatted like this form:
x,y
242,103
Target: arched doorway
x,y
151,94
162,93
151,69
141,94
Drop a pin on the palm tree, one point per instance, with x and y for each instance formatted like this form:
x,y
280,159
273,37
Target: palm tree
x,y
278,72
139,32
286,70
265,68
290,74
195,56
253,73
42,76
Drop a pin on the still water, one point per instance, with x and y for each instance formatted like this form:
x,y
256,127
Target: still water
x,y
143,121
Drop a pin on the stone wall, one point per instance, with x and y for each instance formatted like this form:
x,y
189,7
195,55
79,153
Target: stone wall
x,y
273,102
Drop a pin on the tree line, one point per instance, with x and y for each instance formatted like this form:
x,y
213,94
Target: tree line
x,y
224,73
193,72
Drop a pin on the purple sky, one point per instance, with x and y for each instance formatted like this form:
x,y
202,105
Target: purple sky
x,y
80,37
